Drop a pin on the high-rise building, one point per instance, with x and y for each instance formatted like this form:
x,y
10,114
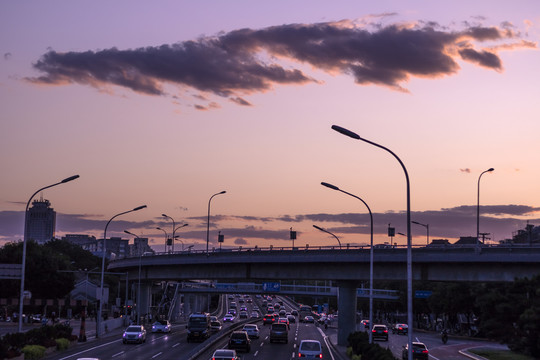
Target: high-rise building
x,y
40,221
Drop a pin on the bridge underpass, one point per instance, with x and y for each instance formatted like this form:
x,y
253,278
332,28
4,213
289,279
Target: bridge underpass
x,y
347,267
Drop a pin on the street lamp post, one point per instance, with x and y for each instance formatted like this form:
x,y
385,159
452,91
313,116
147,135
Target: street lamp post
x,y
333,187
174,229
427,228
25,238
208,221
139,282
166,237
478,208
98,319
409,241
328,232
179,227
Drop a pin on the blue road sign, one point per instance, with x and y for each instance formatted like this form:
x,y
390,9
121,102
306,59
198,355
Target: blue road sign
x,y
422,294
271,286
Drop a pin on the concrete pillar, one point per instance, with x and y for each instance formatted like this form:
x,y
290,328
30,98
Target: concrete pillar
x,y
347,310
146,293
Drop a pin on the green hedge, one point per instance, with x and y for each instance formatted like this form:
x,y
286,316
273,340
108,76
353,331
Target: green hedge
x,y
360,348
62,344
33,352
45,336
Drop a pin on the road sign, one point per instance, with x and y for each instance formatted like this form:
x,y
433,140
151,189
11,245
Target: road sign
x,y
422,294
271,286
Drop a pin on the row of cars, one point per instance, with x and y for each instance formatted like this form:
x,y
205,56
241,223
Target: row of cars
x,y
419,349
137,333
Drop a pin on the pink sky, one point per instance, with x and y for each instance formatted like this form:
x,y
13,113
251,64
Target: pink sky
x,y
166,105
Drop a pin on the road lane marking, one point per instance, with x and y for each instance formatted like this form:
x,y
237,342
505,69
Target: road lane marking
x,y
155,356
175,345
118,354
87,350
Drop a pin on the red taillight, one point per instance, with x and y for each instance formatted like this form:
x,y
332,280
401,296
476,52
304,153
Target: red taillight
x,y
424,351
374,331
386,331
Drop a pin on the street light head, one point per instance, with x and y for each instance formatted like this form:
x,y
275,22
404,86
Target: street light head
x,y
490,169
346,132
158,228
333,187
164,215
139,207
185,225
70,178
416,222
318,228
223,192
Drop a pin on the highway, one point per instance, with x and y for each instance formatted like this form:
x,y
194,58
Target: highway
x,y
175,345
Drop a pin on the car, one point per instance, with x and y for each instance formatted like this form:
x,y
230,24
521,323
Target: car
x,y
270,309
214,318
294,312
252,330
379,332
243,308
282,313
243,315
215,325
365,323
232,311
240,340
256,308
228,318
285,321
291,318
161,326
419,351
310,349
134,334
225,354
254,314
400,329
269,319
279,332
309,319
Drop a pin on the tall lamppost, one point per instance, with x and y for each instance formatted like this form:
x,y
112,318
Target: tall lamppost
x,y
23,265
98,320
173,226
174,237
333,187
478,208
166,237
328,232
427,228
208,221
409,241
139,282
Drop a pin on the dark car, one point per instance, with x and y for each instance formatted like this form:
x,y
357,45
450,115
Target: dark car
x,y
379,332
400,329
419,351
240,340
269,319
279,332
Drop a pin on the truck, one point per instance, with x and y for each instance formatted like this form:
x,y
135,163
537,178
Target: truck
x,y
198,327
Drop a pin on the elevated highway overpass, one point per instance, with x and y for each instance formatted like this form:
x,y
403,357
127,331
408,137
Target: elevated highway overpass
x,y
347,266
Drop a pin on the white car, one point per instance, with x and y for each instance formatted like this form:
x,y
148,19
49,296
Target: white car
x,y
225,354
252,330
228,318
310,349
134,333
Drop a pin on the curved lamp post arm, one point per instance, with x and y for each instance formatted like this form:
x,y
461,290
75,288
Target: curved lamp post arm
x,y
23,265
173,226
409,237
478,208
208,221
328,232
98,319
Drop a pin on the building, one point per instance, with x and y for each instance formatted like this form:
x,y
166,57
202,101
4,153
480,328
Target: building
x,y
140,246
80,239
40,222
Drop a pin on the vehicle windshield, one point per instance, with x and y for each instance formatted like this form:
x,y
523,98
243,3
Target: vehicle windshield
x,y
310,346
238,336
133,329
197,321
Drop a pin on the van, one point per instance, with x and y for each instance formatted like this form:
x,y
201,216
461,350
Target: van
x,y
279,332
198,327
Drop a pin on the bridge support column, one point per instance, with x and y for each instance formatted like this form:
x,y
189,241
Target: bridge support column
x,y
146,291
347,310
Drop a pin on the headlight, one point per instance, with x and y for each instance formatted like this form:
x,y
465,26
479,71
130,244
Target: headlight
x,y
124,335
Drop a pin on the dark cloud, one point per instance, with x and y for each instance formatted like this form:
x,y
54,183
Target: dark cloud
x,y
246,60
7,56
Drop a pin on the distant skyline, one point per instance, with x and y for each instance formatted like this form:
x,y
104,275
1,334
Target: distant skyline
x,y
167,105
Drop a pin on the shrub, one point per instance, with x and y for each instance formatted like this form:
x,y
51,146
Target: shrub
x,y
33,352
359,343
62,344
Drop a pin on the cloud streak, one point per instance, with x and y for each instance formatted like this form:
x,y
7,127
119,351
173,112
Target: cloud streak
x,y
247,61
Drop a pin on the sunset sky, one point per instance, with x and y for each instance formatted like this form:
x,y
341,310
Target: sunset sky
x,y
167,103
